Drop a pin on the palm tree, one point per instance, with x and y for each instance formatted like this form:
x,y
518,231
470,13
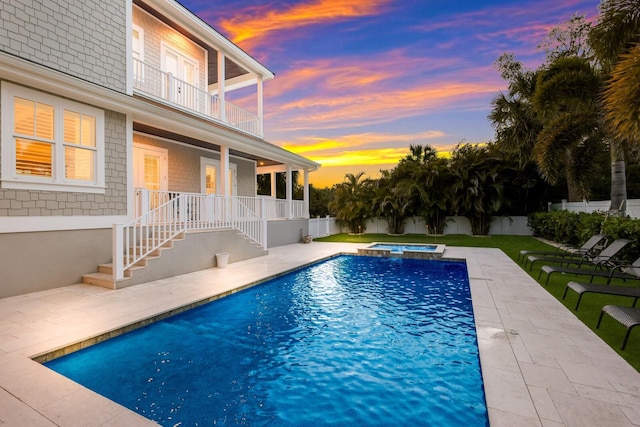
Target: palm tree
x,y
616,32
392,199
513,115
428,180
622,97
614,39
566,99
352,202
477,187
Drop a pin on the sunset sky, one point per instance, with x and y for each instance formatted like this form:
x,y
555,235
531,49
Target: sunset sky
x,y
358,81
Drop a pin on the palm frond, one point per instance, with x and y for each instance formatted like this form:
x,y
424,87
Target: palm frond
x,y
622,97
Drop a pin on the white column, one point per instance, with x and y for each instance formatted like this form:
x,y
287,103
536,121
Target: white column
x,y
224,184
273,185
289,188
221,86
260,108
305,196
224,170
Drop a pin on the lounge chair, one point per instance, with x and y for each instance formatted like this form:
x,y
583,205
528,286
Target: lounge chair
x,y
628,316
605,259
591,249
584,288
591,246
621,271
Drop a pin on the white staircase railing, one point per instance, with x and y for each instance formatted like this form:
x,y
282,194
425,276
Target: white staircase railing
x,y
164,215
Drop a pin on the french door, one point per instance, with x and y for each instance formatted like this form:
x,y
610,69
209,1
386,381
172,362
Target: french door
x,y
150,170
182,85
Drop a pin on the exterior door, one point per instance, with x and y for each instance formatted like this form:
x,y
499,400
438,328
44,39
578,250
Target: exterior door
x,y
182,73
150,169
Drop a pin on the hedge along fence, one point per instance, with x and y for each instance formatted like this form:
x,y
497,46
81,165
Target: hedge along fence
x,y
571,228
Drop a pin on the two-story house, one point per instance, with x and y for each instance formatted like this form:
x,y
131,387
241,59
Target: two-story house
x,y
118,140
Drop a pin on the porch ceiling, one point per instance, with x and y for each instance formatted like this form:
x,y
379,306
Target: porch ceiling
x,y
161,133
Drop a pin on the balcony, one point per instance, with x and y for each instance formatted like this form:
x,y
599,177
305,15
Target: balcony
x,y
163,86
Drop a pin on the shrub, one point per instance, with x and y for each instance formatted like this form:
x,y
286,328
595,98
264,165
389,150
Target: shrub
x,y
575,228
559,226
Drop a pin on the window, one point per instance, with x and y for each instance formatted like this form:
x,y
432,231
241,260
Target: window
x,y
137,42
50,143
210,177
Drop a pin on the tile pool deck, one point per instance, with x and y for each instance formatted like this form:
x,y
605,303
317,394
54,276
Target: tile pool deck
x,y
541,365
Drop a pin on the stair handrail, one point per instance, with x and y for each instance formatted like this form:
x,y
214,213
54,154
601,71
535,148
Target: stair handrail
x,y
249,223
138,238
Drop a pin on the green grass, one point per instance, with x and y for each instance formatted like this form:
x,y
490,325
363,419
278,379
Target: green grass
x,y
590,306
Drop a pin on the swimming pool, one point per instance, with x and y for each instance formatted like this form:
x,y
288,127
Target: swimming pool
x,y
352,340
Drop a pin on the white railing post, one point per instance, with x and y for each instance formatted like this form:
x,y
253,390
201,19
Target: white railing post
x,y
144,202
118,251
263,221
264,233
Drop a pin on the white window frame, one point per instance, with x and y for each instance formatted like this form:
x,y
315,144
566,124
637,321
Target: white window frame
x,y
57,182
140,31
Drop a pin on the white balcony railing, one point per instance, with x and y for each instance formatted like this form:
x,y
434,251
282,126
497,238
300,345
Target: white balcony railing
x,y
273,208
165,86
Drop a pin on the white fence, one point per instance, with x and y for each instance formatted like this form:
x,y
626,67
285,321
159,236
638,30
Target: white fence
x,y
323,227
632,206
515,225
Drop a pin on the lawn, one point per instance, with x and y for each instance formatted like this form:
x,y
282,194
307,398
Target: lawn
x,y
610,331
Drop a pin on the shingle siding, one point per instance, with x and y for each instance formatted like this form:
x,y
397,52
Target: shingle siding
x,y
85,39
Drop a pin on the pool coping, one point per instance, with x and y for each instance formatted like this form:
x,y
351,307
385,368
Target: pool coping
x,y
540,364
370,250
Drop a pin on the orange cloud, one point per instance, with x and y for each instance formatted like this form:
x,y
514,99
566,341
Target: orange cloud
x,y
255,24
318,147
330,175
365,157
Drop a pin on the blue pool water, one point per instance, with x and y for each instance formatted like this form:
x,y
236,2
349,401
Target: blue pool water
x,y
349,341
398,248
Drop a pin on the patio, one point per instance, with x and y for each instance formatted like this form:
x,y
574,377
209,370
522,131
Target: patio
x,y
541,365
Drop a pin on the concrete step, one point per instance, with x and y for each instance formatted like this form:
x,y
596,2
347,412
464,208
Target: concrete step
x,y
108,268
104,276
104,280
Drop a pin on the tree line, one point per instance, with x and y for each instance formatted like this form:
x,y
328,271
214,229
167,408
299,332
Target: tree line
x,y
555,127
